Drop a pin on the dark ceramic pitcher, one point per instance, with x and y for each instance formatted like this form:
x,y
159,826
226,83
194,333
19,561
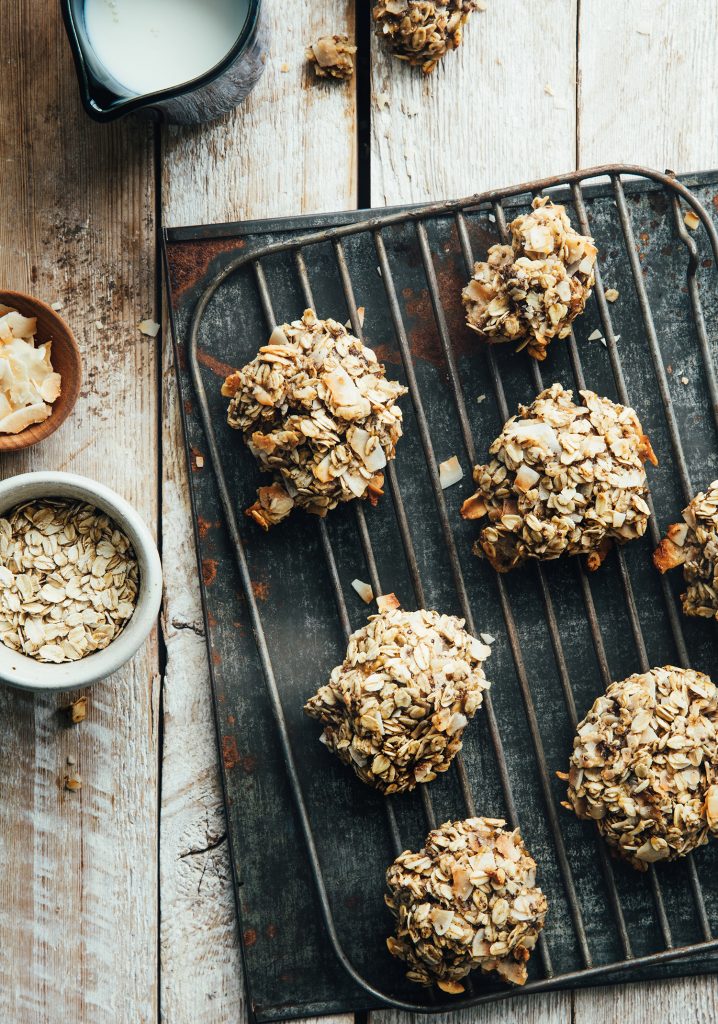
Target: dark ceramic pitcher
x,y
202,99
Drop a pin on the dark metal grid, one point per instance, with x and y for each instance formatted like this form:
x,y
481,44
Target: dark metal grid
x,y
419,217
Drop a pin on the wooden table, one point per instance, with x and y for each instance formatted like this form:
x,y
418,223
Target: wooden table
x,y
115,902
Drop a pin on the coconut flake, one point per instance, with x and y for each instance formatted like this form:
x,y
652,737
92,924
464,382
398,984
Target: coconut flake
x,y
450,472
364,591
149,327
692,220
387,602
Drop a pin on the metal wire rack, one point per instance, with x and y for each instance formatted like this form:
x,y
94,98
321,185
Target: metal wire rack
x,y
411,238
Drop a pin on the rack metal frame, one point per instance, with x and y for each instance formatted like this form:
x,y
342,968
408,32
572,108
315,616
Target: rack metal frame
x,y
375,225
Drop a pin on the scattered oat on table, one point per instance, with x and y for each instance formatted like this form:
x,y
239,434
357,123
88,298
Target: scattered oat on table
x,y
68,580
396,709
611,294
564,478
421,32
468,899
644,763
77,711
318,413
694,545
532,290
332,57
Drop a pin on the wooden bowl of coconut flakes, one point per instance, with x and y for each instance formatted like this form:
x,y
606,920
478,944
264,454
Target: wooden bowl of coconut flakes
x,y
57,385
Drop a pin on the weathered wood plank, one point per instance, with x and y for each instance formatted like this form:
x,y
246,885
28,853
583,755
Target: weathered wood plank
x,y
78,889
498,111
290,148
647,75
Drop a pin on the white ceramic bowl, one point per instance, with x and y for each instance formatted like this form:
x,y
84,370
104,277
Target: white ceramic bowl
x,y
29,674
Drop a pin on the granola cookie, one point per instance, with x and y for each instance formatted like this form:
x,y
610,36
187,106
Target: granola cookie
x,y
468,899
532,290
422,31
644,765
396,709
332,57
563,479
694,545
318,413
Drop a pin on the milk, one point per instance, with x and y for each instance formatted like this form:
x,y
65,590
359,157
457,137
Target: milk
x,y
150,45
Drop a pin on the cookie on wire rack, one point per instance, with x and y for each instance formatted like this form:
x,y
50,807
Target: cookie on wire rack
x,y
564,478
532,290
395,710
317,411
467,900
644,765
694,545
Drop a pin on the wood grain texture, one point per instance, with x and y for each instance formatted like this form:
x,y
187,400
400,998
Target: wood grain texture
x,y
78,887
550,1009
647,83
290,148
485,117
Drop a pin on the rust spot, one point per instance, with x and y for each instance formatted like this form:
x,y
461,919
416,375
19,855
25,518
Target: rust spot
x,y
250,937
209,571
205,525
715,201
708,262
230,754
211,621
249,763
271,931
218,368
231,719
644,236
188,407
216,660
260,590
189,261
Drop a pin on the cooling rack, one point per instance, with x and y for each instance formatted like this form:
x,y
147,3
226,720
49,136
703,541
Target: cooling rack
x,y
309,843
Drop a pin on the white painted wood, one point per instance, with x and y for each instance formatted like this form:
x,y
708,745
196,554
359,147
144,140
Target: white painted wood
x,y
647,83
684,1000
549,1009
485,117
78,885
291,148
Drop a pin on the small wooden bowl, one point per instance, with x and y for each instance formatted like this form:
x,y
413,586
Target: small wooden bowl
x,y
66,360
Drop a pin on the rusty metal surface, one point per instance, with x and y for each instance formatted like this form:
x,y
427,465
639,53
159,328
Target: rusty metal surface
x,y
309,843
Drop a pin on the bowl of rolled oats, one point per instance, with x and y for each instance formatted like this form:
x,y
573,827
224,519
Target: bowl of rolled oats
x,y
80,581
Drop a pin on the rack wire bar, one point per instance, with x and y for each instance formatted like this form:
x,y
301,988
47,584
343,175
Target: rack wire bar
x,y
374,228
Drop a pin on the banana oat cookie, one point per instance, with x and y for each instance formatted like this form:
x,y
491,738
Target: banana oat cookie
x,y
421,32
317,411
694,545
396,709
564,478
533,289
468,899
644,764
